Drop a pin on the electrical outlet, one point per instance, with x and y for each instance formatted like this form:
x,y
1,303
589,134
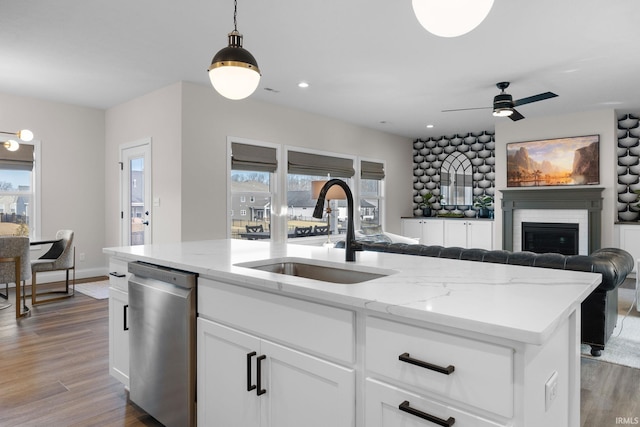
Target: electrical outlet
x,y
82,257
550,391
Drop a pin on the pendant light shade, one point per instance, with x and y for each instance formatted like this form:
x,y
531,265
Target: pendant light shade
x,y
234,72
451,18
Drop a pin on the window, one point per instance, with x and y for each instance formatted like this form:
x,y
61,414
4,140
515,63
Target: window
x,y
18,179
252,169
303,169
371,193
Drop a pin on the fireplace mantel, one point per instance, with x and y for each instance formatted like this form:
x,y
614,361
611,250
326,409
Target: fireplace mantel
x,y
588,198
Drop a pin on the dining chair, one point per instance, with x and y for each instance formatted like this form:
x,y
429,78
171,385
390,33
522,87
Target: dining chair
x,y
61,256
15,267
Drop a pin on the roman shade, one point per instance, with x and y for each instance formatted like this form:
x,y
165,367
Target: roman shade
x,y
371,170
253,158
21,159
318,165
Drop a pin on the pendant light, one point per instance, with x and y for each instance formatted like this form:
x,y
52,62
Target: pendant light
x,y
451,18
234,72
12,145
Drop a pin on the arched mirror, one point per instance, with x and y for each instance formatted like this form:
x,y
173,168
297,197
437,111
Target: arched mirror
x,y
456,180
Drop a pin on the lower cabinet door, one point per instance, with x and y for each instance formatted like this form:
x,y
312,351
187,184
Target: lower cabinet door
x,y
249,382
224,376
389,406
303,390
119,335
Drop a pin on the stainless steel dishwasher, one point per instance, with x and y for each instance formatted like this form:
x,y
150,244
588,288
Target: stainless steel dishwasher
x,y
162,343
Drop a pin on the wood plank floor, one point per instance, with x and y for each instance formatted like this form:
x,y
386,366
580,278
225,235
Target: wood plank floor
x,y
54,371
54,368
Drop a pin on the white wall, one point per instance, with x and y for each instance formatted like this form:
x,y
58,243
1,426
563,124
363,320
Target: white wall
x,y
189,125
156,115
207,121
603,123
72,170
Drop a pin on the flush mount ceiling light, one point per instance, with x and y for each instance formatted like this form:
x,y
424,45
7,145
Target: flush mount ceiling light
x,y
234,72
451,18
12,145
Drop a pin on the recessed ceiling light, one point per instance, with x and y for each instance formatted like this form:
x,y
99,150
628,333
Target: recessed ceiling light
x,y
429,126
303,85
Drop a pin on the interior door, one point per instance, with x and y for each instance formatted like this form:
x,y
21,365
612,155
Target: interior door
x,y
135,212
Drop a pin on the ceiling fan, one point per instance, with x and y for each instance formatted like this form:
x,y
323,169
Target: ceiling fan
x,y
504,105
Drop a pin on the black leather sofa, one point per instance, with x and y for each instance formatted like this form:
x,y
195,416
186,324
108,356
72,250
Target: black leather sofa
x,y
599,310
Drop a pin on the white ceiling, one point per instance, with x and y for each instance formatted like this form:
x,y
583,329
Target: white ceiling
x,y
368,62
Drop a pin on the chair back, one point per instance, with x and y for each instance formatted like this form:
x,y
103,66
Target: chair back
x,y
66,259
302,231
61,252
10,247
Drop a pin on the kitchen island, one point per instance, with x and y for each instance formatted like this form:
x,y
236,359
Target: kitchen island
x,y
434,339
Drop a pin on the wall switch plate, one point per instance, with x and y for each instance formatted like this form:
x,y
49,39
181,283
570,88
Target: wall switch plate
x,y
550,390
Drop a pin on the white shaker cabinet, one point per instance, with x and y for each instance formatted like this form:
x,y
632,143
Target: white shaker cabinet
x,y
249,380
118,321
469,234
464,233
429,231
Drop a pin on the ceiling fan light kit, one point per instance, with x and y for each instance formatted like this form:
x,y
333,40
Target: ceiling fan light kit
x,y
451,18
504,105
234,72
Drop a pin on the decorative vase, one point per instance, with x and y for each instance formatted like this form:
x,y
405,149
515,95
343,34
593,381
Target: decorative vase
x,y
426,212
483,213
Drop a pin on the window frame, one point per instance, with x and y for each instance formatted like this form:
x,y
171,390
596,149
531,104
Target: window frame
x,y
278,183
381,189
36,185
273,183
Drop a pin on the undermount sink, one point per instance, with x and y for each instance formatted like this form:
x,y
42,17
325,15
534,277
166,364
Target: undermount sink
x,y
323,272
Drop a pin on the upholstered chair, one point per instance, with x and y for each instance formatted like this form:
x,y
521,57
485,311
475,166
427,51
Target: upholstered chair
x,y
15,268
61,256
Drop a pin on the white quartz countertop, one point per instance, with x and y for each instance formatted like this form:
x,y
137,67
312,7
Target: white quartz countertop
x,y
525,304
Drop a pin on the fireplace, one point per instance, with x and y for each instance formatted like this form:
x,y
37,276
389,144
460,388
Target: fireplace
x,y
586,202
541,237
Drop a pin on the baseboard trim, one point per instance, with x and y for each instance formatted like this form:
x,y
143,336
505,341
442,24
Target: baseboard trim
x,y
59,276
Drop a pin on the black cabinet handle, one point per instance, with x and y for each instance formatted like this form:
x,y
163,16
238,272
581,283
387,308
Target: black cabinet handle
x,y
260,390
406,358
116,274
124,320
404,406
249,385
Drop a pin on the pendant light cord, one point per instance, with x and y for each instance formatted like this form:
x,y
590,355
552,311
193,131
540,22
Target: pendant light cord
x,y
235,15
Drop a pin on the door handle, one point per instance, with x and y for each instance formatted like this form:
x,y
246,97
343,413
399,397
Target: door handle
x,y
124,320
405,357
249,385
260,391
405,407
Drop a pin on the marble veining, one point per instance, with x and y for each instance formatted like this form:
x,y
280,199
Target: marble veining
x,y
507,301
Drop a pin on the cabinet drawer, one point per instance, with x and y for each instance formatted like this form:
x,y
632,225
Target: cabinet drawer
x,y
315,327
383,403
119,274
482,373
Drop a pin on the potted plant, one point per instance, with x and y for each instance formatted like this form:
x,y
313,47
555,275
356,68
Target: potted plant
x,y
428,199
483,203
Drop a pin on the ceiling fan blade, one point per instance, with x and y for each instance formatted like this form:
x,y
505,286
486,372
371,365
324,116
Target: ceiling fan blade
x,y
465,109
534,98
516,116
